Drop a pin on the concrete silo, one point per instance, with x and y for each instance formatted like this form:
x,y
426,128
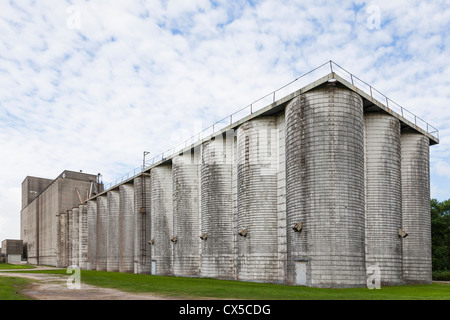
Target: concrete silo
x,y
162,219
186,213
126,228
383,196
257,200
217,221
102,233
416,218
328,199
113,232
75,237
91,209
142,226
83,236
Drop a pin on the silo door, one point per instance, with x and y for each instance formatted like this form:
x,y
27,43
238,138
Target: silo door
x,y
153,267
300,273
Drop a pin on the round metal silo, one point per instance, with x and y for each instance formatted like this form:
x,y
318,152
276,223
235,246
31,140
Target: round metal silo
x,y
416,208
91,209
383,196
325,188
113,236
217,228
162,219
126,228
186,214
257,200
102,233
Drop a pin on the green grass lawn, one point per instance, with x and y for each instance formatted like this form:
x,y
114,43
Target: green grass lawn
x,y
4,266
10,288
212,288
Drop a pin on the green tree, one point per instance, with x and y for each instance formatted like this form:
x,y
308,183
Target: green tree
x,y
440,234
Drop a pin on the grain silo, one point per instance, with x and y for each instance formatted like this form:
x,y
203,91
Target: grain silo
x,y
383,195
416,219
257,200
92,234
83,236
126,229
186,213
113,232
217,223
327,194
102,233
162,217
315,188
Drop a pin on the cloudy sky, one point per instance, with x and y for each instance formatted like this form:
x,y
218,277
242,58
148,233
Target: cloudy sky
x,y
90,85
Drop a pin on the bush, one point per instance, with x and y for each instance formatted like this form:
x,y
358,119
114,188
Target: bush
x,y
441,275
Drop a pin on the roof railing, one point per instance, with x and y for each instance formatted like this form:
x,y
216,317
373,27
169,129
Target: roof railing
x,y
294,85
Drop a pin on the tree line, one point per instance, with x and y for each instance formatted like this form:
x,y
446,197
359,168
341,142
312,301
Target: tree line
x,y
440,235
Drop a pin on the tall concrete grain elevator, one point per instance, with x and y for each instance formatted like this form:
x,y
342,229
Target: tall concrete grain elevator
x,y
316,187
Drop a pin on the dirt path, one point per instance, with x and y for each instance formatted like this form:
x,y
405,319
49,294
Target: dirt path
x,y
54,287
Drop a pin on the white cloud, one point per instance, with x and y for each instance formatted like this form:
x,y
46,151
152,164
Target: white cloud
x,y
142,75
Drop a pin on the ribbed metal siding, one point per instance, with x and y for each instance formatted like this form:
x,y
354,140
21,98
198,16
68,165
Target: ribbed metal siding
x,y
112,263
217,227
257,200
127,225
162,219
186,214
325,186
102,233
92,234
383,196
416,208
